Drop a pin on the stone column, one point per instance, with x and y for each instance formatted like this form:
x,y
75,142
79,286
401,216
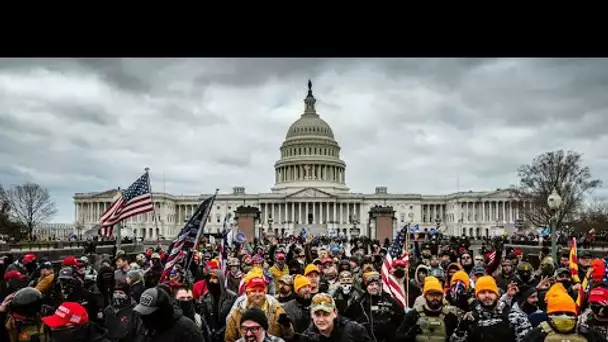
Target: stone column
x,y
383,218
293,212
334,217
299,220
247,218
504,211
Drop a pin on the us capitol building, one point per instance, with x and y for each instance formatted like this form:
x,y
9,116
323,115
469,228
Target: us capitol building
x,y
311,193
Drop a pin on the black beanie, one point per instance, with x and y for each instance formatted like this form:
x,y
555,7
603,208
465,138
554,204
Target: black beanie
x,y
256,315
122,286
524,293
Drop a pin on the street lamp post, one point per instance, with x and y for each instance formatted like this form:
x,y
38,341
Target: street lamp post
x,y
260,228
270,221
554,201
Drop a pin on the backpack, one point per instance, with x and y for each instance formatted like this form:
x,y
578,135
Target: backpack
x,y
432,328
25,332
553,336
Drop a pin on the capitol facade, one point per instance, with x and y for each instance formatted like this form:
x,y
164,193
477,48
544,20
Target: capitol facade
x,y
310,192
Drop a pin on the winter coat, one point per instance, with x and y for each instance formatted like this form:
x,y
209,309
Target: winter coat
x,y
214,311
122,324
496,326
381,315
273,310
298,314
182,329
344,331
409,328
90,332
44,283
136,290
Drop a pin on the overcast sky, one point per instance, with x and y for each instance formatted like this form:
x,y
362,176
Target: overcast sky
x,y
413,125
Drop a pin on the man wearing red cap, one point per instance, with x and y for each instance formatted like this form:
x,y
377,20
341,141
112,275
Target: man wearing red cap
x,y
256,296
279,269
595,317
70,323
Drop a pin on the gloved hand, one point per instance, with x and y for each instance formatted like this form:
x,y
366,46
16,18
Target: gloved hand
x,y
466,321
284,320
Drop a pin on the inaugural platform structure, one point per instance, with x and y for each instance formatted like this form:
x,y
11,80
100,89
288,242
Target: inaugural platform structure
x,y
311,193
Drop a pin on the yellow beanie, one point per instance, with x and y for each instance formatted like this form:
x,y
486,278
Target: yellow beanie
x,y
485,283
463,277
311,268
432,284
558,300
368,277
299,282
255,272
557,287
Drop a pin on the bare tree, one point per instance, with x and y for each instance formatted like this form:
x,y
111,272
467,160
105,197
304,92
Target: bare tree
x,y
593,215
560,170
30,205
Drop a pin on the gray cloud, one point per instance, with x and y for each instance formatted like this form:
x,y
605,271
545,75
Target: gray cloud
x,y
415,125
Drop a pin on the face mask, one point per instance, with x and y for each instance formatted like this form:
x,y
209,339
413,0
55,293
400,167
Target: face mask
x,y
599,310
566,283
346,288
399,273
187,307
563,324
528,308
152,321
119,300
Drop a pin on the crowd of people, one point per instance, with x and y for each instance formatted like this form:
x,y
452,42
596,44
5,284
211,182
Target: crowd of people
x,y
297,290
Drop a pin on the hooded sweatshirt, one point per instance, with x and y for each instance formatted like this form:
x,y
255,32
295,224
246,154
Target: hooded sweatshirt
x,y
215,307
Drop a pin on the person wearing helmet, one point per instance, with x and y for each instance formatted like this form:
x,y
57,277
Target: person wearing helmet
x,y
23,323
234,275
90,275
141,260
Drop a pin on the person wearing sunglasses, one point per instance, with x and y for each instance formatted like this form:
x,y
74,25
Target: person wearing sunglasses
x,y
256,295
328,326
254,327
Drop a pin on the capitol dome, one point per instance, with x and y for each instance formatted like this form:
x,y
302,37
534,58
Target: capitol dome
x,y
310,124
310,156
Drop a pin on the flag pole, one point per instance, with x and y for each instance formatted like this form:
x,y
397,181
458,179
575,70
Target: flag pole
x,y
118,233
147,169
200,230
407,273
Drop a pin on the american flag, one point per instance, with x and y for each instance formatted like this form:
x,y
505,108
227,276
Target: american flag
x,y
395,252
137,199
188,236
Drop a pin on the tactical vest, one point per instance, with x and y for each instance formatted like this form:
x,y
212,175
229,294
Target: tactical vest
x,y
432,328
554,336
25,332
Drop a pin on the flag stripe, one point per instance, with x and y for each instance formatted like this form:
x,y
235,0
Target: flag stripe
x,y
389,282
135,200
185,240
